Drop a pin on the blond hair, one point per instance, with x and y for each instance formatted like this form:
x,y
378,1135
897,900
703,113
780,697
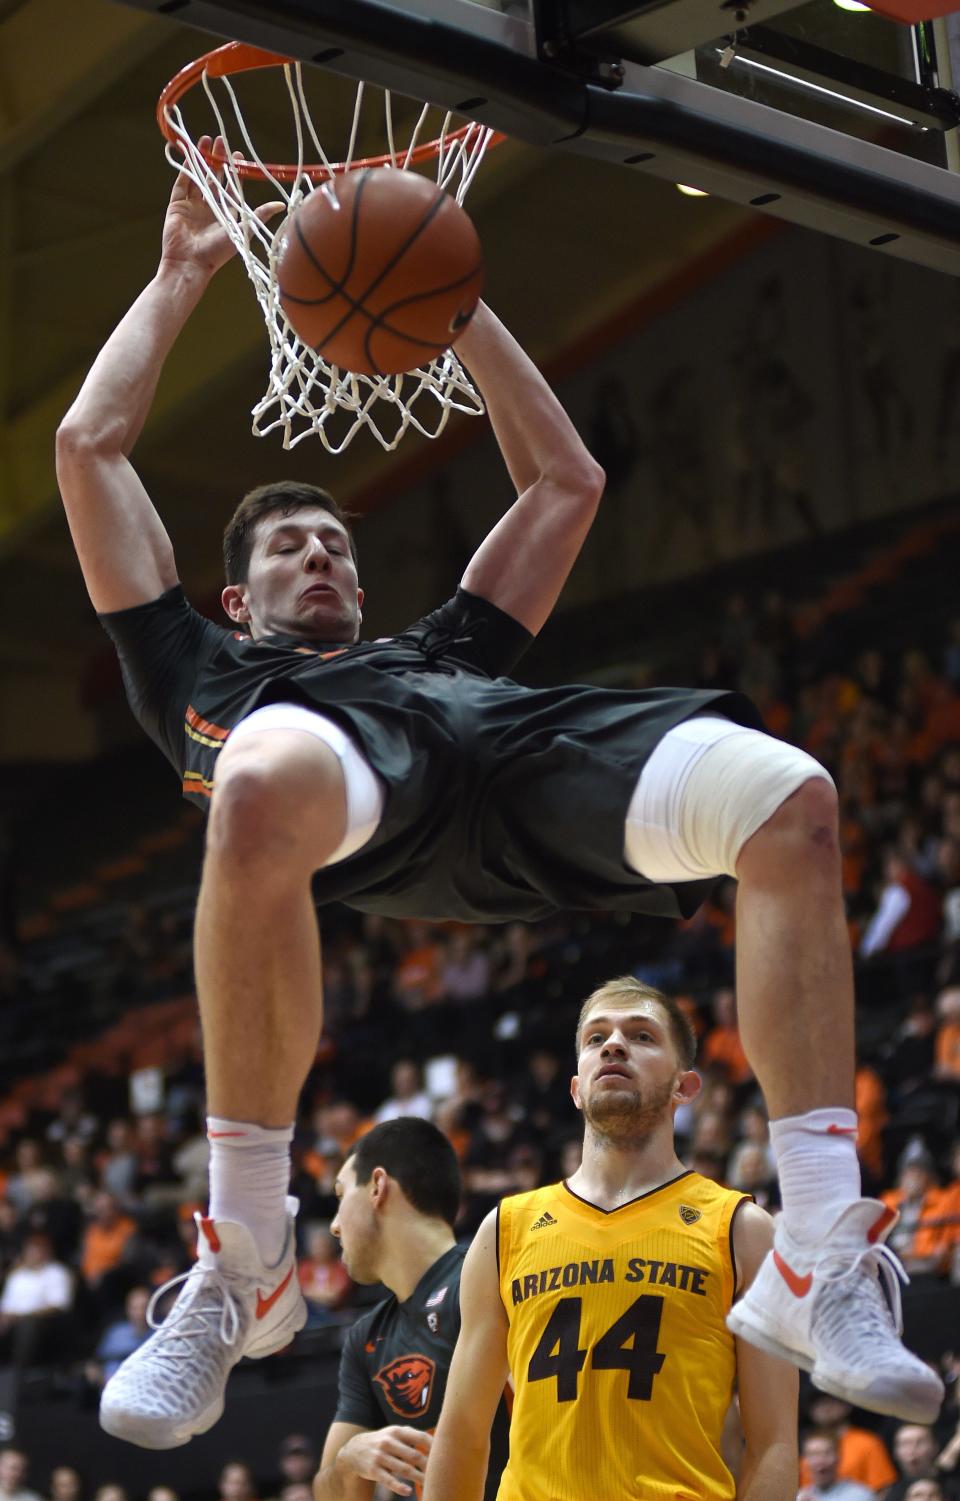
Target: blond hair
x,y
626,991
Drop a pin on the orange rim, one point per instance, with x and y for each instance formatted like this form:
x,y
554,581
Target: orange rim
x,y
240,57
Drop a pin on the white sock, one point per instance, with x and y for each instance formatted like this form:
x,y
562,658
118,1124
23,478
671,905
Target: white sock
x,y
818,1168
249,1180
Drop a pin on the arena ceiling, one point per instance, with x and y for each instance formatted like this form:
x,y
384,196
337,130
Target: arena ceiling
x,y
575,250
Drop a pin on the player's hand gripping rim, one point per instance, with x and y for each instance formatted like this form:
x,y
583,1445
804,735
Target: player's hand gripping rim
x,y
193,237
394,1457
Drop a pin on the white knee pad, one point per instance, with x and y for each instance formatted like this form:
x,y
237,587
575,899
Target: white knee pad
x,y
364,791
708,785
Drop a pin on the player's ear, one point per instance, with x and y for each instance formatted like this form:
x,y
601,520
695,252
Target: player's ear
x,y
234,603
575,1091
689,1085
378,1185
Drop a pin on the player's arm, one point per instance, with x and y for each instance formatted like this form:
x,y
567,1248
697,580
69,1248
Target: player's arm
x,y
523,563
356,1459
122,544
457,1470
767,1387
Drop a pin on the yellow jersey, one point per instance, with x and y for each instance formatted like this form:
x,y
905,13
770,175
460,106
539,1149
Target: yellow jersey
x,y
623,1368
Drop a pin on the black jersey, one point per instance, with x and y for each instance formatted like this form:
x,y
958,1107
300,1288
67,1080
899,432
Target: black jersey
x,y
395,1360
500,801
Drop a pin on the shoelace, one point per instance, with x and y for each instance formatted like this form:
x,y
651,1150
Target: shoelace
x,y
436,640
890,1274
178,1323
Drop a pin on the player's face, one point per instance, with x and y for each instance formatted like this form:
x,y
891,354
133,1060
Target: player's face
x,y
628,1078
355,1226
302,580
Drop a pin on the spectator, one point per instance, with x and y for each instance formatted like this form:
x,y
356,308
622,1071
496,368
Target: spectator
x,y
323,1277
908,913
928,1488
105,1240
298,1460
76,1171
947,1046
191,1161
74,1119
297,1490
110,1492
409,1096
11,1235
908,1057
861,1455
54,1214
35,1304
466,970
22,1185
120,1339
821,1457
418,978
544,1094
118,1166
750,1170
722,1046
915,1451
156,1180
571,1156
14,1466
162,1493
920,1238
236,1482
65,1484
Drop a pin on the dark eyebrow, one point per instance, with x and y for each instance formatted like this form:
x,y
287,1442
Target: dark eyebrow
x,y
331,527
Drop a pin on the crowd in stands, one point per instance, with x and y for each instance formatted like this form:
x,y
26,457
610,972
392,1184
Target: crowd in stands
x,y
473,1027
290,1480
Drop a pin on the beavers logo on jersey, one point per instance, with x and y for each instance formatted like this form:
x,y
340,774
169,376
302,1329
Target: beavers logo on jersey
x,y
688,1215
407,1383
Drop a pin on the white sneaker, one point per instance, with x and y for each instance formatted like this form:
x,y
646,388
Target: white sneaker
x,y
834,1309
230,1305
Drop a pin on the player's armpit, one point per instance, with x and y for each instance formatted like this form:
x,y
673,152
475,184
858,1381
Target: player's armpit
x,y
332,1483
461,1448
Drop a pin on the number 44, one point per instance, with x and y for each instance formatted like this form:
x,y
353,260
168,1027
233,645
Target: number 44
x,y
559,1354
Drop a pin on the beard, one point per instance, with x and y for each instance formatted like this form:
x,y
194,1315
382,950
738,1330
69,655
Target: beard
x,y
626,1116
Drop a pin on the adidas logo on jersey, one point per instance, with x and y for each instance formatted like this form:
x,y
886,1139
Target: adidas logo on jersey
x,y
688,1215
545,1219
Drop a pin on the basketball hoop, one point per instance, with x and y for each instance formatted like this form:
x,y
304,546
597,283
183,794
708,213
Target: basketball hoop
x,y
305,394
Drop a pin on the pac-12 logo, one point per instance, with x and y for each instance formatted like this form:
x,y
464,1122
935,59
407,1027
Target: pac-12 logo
x,y
407,1383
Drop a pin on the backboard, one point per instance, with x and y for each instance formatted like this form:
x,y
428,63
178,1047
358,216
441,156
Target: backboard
x,y
832,117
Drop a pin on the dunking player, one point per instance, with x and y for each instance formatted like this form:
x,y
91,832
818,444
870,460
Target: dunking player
x,y
399,1192
418,780
605,1297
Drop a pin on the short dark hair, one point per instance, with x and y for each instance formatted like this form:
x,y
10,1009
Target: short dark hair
x,y
284,496
626,990
421,1159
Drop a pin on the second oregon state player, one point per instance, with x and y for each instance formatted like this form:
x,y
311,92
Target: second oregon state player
x,y
606,1298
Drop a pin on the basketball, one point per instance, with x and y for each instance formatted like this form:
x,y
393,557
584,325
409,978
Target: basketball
x,y
380,271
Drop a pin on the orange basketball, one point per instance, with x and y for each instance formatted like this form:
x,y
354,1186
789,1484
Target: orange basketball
x,y
380,271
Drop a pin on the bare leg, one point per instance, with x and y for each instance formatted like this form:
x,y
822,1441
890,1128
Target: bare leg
x,y
794,969
279,811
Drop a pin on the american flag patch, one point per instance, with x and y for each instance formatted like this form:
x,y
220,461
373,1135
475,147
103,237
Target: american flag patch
x,y
436,1298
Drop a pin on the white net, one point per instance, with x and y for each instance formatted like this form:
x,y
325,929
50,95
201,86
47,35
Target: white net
x,y
304,393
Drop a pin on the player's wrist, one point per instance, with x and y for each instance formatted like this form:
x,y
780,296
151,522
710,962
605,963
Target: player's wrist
x,y
189,278
346,1460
